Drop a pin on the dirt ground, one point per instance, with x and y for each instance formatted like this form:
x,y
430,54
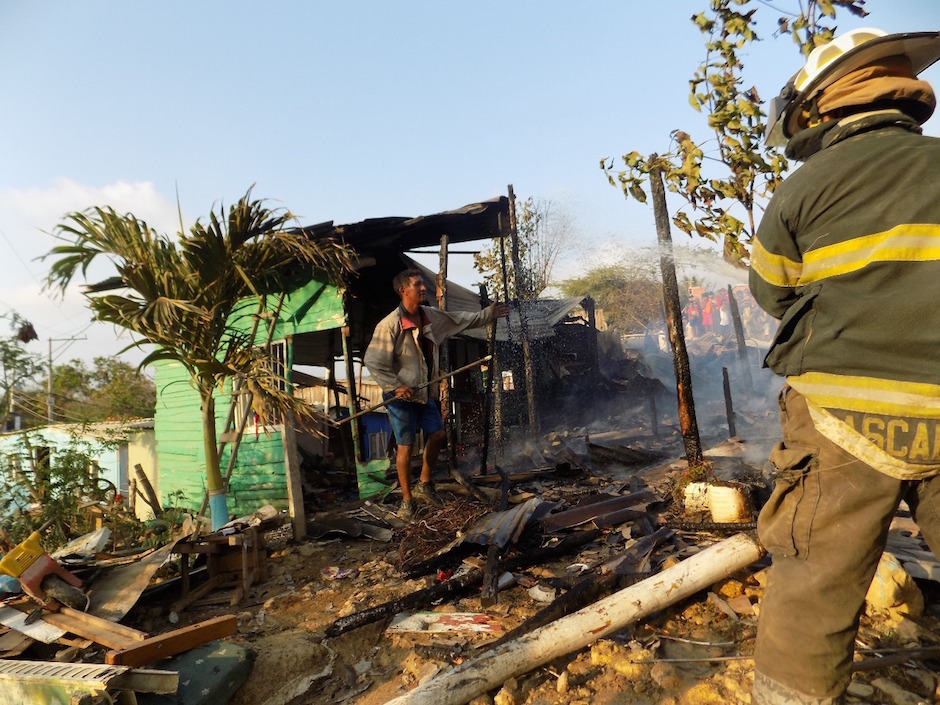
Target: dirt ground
x,y
696,652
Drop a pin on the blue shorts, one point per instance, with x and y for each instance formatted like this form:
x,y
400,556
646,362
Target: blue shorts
x,y
407,417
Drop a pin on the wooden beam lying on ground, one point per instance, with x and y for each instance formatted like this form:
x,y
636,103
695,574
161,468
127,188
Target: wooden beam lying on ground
x,y
172,643
88,626
474,677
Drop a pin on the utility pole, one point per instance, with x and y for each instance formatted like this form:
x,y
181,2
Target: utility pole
x,y
50,397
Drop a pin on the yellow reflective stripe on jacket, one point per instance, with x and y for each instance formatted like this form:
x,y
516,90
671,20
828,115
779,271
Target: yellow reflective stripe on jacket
x,y
774,269
904,243
879,396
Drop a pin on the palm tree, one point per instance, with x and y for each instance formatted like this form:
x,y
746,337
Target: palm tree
x,y
178,295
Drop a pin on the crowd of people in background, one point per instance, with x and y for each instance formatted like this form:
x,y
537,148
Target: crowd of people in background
x,y
708,311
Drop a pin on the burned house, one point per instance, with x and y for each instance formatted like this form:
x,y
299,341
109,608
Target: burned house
x,y
317,341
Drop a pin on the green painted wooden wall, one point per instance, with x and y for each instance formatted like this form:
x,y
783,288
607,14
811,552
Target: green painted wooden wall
x,y
259,475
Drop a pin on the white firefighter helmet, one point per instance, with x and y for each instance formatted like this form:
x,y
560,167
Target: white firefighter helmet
x,y
829,62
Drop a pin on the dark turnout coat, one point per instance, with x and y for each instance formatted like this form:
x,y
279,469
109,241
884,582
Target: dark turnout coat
x,y
847,256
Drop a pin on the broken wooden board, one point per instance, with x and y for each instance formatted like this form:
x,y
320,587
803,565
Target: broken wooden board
x,y
619,447
88,626
13,643
435,622
563,469
174,642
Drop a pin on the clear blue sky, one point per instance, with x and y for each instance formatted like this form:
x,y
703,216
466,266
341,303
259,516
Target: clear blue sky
x,y
344,111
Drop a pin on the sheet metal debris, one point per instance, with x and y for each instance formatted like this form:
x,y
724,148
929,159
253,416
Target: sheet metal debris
x,y
501,528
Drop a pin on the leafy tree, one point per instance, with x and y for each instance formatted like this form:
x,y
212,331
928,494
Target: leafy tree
x,y
725,206
19,365
111,389
178,294
631,295
544,230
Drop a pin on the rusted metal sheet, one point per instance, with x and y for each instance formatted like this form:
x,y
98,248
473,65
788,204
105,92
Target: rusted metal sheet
x,y
501,528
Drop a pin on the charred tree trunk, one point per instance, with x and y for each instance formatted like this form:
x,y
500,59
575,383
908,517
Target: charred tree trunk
x,y
680,356
523,325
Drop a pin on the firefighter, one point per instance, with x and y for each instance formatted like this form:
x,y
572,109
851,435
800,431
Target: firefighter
x,y
847,257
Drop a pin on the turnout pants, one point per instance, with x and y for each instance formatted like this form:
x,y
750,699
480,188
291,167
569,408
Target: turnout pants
x,y
825,527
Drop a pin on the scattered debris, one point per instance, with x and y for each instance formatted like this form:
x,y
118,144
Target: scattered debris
x,y
610,578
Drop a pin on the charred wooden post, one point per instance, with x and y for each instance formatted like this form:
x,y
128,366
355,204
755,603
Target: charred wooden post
x,y
148,493
352,400
444,361
490,594
489,390
131,497
523,324
591,310
729,406
654,415
743,360
680,356
497,374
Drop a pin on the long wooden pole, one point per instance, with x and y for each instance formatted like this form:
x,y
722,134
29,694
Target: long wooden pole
x,y
743,358
436,380
444,362
523,323
474,677
491,376
352,399
499,362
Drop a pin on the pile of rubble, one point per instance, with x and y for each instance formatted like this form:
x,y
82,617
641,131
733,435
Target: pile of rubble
x,y
606,576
